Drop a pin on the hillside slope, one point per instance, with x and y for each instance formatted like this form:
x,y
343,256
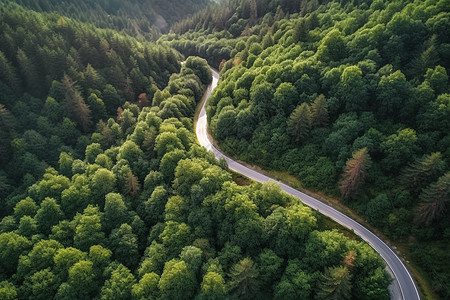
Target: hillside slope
x,y
138,18
352,98
133,208
58,79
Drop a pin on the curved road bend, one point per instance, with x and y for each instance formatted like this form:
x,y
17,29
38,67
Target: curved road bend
x,y
405,282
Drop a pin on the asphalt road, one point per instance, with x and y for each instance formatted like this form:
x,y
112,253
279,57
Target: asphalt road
x,y
407,287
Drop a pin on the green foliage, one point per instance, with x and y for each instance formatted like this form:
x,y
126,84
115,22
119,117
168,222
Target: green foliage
x,y
7,290
177,281
82,279
213,286
39,258
137,195
120,284
295,283
41,285
25,207
301,94
174,236
12,246
299,123
332,47
88,228
115,211
244,278
192,256
335,284
48,214
147,287
153,260
124,243
64,74
65,258
435,199
135,18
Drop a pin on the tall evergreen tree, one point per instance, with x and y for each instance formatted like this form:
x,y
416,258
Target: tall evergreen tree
x,y
435,199
244,278
335,284
355,173
299,123
319,112
422,172
75,104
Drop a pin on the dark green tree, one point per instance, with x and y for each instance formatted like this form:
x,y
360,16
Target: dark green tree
x,y
123,243
244,278
75,104
335,283
434,201
299,123
48,215
319,112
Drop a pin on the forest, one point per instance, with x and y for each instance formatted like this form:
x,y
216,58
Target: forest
x,y
146,19
106,195
350,97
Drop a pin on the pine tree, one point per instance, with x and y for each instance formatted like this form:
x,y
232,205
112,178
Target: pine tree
x,y
7,73
6,118
29,72
92,78
435,199
75,104
422,172
335,284
319,112
244,278
299,123
355,173
132,185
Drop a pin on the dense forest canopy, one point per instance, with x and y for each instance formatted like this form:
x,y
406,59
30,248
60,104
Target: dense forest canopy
x,y
351,97
105,194
59,78
146,18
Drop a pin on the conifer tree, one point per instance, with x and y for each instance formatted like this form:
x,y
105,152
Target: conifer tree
x,y
132,185
335,284
29,72
422,172
75,104
7,73
244,278
435,199
355,173
319,112
299,123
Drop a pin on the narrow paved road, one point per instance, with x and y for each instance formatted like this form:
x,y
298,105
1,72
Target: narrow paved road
x,y
405,282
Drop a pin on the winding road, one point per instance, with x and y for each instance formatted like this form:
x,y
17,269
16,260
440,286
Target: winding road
x,y
403,280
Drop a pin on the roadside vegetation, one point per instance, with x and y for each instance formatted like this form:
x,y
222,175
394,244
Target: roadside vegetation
x,y
106,195
351,97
